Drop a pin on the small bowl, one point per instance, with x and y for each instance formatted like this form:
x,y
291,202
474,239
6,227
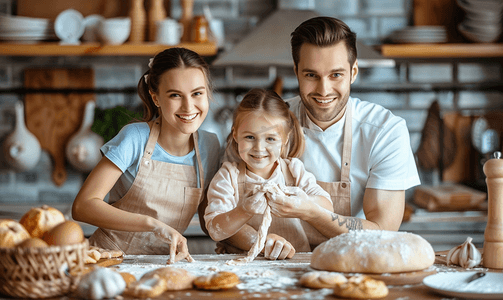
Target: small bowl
x,y
114,31
478,37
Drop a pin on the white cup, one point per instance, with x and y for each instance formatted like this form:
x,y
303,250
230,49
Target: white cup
x,y
169,32
217,30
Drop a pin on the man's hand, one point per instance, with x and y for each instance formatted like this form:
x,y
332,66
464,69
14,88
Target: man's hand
x,y
293,204
277,247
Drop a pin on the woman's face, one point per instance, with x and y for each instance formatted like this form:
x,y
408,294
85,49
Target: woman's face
x,y
259,139
183,99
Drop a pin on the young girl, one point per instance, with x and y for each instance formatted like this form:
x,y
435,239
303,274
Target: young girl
x,y
155,171
262,148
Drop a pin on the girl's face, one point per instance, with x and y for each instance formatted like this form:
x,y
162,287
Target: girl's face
x,y
183,99
259,139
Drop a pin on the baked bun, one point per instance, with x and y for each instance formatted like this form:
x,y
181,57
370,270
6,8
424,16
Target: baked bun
x,y
39,220
321,279
12,233
156,282
361,287
373,251
219,281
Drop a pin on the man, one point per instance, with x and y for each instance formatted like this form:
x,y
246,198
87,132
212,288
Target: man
x,y
358,151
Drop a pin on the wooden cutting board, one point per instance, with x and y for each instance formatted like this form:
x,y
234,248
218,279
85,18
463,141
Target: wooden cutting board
x,y
54,118
439,13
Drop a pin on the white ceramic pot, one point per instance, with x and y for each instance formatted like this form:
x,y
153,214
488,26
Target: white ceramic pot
x,y
21,148
83,149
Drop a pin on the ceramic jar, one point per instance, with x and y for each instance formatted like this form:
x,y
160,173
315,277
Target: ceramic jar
x,y
21,148
83,149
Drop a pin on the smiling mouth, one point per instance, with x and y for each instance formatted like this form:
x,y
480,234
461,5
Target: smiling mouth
x,y
258,156
323,101
187,117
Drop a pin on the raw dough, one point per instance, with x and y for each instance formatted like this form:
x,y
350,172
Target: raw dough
x,y
218,281
270,188
373,251
321,279
101,283
361,287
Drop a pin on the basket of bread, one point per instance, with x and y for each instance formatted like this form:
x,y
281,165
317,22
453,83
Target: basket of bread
x,y
38,253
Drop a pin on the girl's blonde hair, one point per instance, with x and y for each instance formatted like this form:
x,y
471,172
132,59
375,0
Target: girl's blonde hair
x,y
166,60
271,104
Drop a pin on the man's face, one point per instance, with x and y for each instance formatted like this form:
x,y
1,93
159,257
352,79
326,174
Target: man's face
x,y
325,78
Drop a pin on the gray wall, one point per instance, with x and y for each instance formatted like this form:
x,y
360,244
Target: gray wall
x,y
373,20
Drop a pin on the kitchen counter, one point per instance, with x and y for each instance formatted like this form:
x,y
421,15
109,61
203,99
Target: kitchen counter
x,y
262,279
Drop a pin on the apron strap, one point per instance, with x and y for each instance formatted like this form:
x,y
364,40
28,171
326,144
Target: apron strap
x,y
346,147
287,174
195,136
152,138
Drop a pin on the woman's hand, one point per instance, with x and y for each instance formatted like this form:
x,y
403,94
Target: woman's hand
x,y
178,249
276,247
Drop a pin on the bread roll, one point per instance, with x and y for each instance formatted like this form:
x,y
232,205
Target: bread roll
x,y
12,233
39,220
373,251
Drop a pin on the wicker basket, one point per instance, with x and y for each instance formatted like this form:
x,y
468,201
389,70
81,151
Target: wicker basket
x,y
41,272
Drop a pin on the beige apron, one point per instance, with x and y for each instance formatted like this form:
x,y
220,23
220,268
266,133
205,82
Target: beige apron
x,y
165,191
292,229
340,191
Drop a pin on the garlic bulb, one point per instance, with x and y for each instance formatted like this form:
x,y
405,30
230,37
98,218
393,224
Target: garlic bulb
x,y
465,255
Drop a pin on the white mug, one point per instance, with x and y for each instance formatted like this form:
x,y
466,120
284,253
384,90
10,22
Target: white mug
x,y
169,32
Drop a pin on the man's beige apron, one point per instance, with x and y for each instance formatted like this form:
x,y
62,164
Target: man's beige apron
x,y
165,191
340,191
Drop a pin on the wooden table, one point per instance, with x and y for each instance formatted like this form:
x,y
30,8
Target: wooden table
x,y
263,279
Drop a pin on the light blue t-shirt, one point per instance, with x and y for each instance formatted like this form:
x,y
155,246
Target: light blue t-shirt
x,y
127,147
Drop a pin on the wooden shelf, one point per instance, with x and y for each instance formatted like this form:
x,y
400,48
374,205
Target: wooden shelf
x,y
96,49
462,50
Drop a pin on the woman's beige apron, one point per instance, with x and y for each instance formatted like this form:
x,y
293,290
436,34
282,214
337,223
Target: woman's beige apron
x,y
165,191
340,191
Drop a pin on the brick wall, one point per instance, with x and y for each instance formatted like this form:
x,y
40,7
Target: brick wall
x,y
469,86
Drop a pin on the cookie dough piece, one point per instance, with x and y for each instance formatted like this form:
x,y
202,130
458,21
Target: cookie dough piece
x,y
156,282
128,278
107,253
12,233
373,251
92,257
361,287
219,281
321,279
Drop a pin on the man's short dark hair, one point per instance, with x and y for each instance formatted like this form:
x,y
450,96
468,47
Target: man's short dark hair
x,y
323,32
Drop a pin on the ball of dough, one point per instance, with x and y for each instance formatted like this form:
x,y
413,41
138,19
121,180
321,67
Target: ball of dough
x,y
321,279
12,233
373,251
361,287
156,282
39,220
101,283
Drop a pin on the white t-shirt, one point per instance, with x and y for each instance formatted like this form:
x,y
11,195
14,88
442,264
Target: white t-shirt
x,y
127,147
381,156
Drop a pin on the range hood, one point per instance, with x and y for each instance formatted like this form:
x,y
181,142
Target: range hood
x,y
269,44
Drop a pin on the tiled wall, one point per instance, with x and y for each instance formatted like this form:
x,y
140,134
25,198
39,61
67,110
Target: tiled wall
x,y
407,90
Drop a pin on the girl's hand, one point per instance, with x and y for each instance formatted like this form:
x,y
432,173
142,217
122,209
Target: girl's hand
x,y
276,247
291,205
178,249
254,202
